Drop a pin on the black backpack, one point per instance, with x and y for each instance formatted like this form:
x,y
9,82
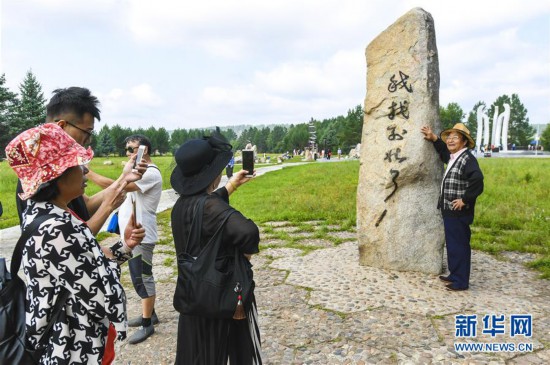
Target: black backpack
x,y
13,291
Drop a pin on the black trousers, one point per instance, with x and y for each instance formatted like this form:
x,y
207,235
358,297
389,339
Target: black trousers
x,y
459,252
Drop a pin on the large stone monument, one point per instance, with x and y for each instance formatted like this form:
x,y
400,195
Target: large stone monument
x,y
399,226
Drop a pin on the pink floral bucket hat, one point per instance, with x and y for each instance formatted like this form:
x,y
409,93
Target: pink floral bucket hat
x,y
43,153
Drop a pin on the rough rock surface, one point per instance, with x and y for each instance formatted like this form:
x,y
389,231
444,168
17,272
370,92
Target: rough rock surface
x,y
398,224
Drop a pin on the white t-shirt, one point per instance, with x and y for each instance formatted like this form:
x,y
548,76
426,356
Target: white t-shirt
x,y
147,200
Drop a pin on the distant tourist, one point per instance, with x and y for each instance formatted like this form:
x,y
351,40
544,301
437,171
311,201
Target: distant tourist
x,y
229,167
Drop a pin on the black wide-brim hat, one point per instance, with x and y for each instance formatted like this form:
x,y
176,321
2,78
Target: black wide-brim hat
x,y
199,162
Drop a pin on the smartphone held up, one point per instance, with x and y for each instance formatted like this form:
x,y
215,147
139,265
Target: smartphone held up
x,y
140,153
248,162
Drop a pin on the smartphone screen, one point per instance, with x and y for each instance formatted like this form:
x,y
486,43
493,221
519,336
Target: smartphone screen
x,y
248,162
140,152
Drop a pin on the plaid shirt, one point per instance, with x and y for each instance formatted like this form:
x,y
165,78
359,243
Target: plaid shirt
x,y
464,180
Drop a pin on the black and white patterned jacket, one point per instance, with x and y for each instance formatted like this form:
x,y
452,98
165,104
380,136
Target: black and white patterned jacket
x,y
63,253
463,181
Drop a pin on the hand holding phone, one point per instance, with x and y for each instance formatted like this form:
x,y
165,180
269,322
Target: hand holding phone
x,y
140,153
248,162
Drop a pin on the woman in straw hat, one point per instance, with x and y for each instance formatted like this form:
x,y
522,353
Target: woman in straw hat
x,y
462,184
62,254
201,340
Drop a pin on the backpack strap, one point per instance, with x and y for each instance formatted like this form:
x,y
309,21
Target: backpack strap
x,y
17,255
16,263
196,224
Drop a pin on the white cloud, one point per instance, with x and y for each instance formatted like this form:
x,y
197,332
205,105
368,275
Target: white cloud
x,y
144,94
306,89
217,60
136,105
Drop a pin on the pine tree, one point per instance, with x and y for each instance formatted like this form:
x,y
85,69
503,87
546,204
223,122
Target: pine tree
x,y
8,103
105,144
31,110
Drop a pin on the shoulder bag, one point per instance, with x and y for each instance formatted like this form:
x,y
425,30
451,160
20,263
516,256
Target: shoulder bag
x,y
208,285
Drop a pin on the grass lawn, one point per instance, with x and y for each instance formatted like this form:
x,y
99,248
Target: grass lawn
x,y
511,215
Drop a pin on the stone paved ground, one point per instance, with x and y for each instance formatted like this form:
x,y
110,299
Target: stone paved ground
x,y
323,308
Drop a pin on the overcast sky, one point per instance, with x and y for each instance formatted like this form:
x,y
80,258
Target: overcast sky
x,y
195,64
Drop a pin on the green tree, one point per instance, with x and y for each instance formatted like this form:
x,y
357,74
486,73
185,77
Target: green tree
x,y
178,137
275,141
247,135
230,135
163,140
152,134
297,137
349,128
329,140
8,104
104,145
31,110
118,135
450,115
520,131
545,138
471,122
261,137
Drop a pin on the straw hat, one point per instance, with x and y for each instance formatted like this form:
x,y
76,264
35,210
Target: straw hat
x,y
460,128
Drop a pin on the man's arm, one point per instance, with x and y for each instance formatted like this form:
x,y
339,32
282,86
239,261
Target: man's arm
x,y
104,181
129,175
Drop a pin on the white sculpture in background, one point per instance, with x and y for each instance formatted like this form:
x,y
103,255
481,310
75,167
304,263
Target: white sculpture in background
x,y
499,137
250,146
482,128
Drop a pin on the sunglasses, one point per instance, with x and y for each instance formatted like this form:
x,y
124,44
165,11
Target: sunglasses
x,y
131,149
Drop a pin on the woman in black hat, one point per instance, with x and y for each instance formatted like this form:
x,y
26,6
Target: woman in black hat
x,y
200,163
